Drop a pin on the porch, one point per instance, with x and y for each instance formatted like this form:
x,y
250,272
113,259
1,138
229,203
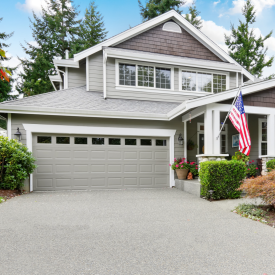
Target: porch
x,y
202,126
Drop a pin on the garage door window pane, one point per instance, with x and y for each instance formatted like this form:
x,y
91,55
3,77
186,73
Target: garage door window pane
x,y
130,141
161,142
146,142
80,140
41,139
99,141
62,140
114,141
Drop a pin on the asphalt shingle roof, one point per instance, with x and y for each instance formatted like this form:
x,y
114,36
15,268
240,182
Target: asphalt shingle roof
x,y
80,99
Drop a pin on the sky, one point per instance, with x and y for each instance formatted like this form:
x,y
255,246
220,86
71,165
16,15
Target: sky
x,y
119,15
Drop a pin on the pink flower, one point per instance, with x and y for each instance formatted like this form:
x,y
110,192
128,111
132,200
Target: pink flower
x,y
170,164
177,165
187,162
183,158
252,160
196,164
175,159
248,169
182,166
257,168
196,168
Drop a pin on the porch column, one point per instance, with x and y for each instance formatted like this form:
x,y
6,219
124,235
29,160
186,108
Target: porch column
x,y
208,131
185,139
271,135
216,130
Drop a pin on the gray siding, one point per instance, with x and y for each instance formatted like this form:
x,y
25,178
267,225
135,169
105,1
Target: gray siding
x,y
232,80
96,72
77,76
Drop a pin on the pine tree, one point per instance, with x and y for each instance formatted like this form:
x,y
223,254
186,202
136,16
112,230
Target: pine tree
x,y
154,8
54,31
5,86
92,30
192,17
245,47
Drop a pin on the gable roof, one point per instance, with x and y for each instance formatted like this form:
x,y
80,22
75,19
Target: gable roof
x,y
181,21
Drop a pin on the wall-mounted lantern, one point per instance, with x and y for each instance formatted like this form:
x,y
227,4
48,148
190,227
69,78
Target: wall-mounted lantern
x,y
18,135
180,140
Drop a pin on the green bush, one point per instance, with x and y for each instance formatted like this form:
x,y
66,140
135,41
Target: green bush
x,y
239,156
223,177
270,165
16,163
252,170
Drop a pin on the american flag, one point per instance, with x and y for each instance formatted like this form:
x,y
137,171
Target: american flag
x,y
238,118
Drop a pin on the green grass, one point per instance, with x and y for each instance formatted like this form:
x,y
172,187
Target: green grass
x,y
2,199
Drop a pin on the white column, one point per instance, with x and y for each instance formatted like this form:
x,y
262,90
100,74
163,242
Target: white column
x,y
237,79
9,125
271,135
87,74
66,78
172,155
216,130
104,75
208,131
185,139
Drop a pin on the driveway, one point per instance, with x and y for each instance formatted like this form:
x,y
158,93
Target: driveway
x,y
163,231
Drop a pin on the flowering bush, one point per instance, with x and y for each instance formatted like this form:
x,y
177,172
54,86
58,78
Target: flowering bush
x,y
180,163
261,187
194,169
239,156
270,165
252,170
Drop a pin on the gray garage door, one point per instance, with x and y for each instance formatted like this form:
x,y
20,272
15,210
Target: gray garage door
x,y
67,162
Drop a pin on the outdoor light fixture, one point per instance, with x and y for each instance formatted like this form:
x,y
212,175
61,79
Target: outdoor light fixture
x,y
18,135
180,139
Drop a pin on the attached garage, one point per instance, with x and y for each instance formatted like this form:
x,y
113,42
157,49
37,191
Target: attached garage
x,y
87,162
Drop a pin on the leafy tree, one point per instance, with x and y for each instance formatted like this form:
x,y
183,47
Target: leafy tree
x,y
192,17
243,45
92,30
154,8
5,73
54,31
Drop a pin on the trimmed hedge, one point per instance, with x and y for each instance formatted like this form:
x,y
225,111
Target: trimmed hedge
x,y
223,177
16,164
270,165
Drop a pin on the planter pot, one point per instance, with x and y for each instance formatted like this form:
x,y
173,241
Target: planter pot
x,y
182,173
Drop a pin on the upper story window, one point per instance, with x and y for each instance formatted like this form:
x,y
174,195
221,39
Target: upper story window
x,y
144,76
203,82
127,74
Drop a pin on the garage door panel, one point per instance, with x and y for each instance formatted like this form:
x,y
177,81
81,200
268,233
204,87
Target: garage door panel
x,y
91,167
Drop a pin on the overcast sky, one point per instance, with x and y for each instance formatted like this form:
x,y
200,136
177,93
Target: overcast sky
x,y
120,14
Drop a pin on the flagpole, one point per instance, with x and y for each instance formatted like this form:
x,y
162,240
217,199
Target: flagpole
x,y
229,111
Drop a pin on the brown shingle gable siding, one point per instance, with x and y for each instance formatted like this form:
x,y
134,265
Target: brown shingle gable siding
x,y
264,98
179,44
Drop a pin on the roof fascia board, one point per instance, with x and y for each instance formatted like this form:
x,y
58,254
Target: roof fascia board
x,y
66,63
194,103
172,60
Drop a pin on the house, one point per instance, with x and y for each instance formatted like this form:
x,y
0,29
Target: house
x,y
118,109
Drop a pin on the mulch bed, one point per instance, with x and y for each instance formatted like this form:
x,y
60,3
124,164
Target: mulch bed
x,y
270,216
9,194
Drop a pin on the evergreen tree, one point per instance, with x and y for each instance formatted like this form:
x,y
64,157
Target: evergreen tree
x,y
243,45
154,8
192,17
92,30
54,31
5,86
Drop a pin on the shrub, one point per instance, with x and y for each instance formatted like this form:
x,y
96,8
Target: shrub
x,y
261,187
180,163
223,177
239,156
16,163
194,169
252,170
270,165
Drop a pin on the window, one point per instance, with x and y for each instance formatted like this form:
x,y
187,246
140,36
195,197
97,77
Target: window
x,y
203,82
80,140
163,78
98,141
129,141
114,141
219,83
62,140
146,142
127,74
189,81
139,75
262,137
145,76
161,142
43,139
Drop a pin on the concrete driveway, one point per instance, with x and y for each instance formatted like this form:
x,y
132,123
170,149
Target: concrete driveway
x,y
162,231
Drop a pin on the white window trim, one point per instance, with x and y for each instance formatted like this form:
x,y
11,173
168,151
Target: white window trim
x,y
260,120
181,69
198,135
109,131
224,133
142,88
